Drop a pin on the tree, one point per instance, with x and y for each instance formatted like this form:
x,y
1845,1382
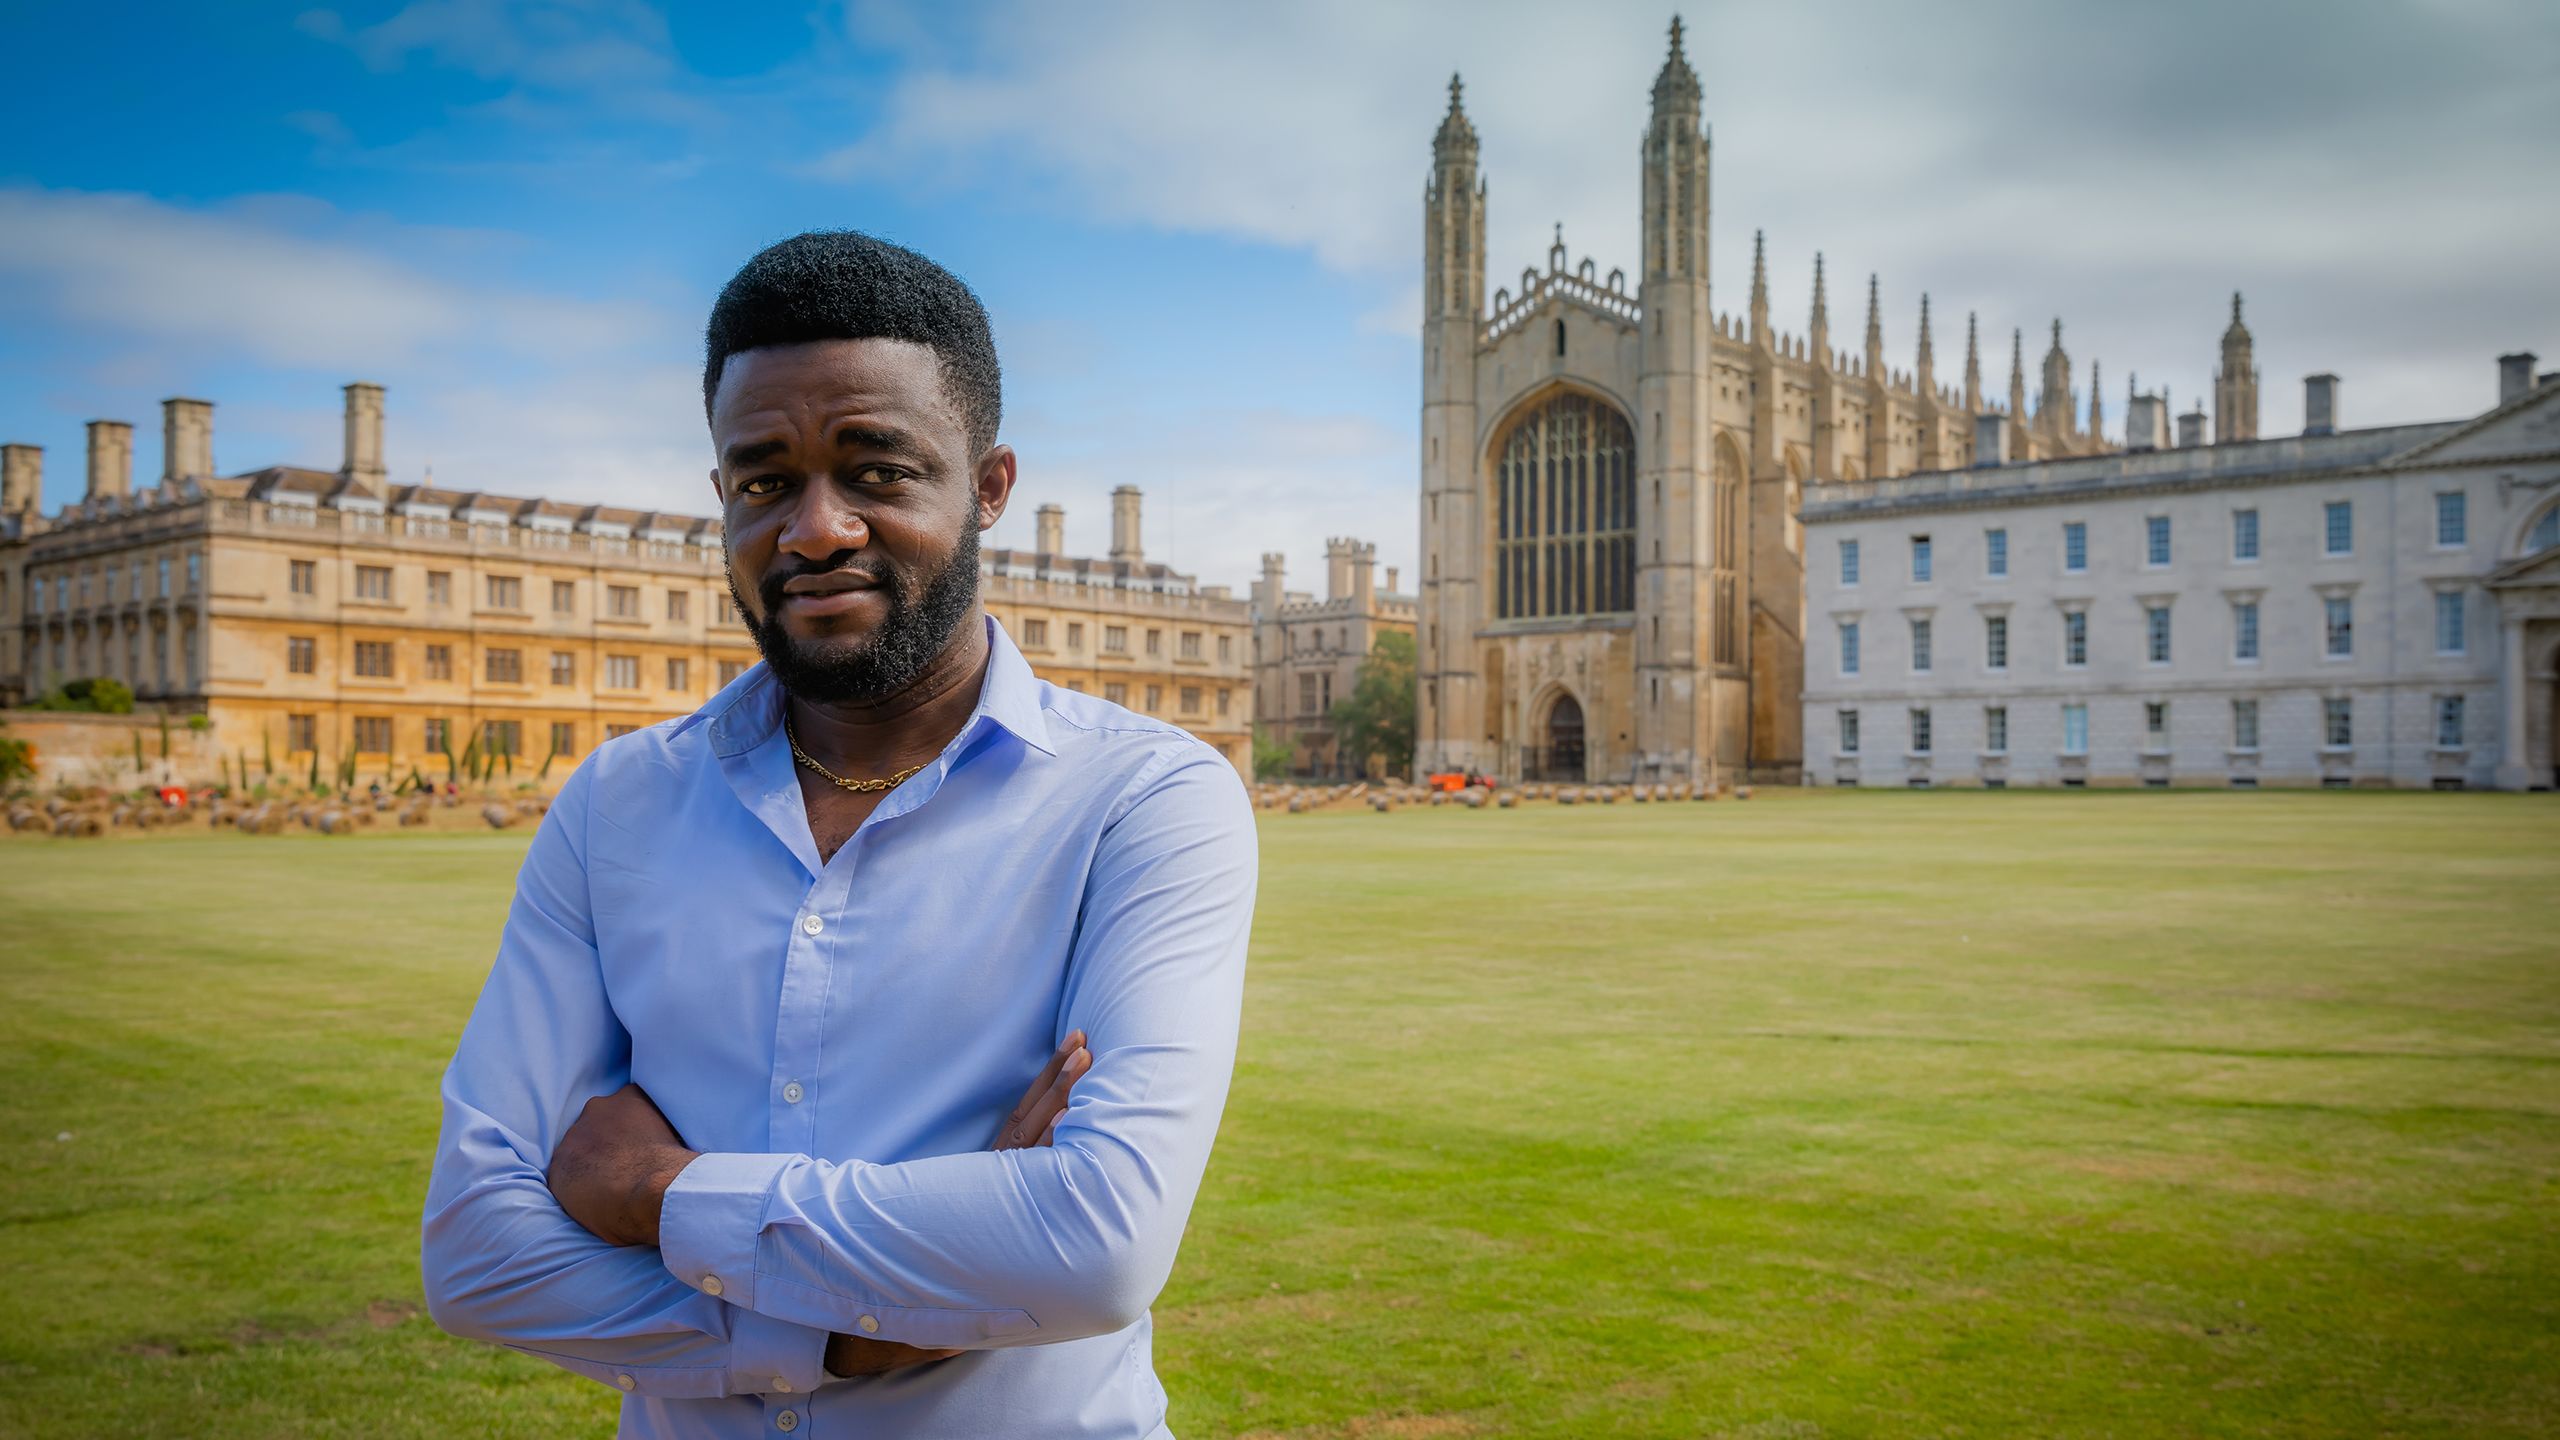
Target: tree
x,y
96,694
1271,757
1377,720
17,758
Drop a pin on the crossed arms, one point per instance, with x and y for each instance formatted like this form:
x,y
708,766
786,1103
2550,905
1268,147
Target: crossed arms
x,y
761,1259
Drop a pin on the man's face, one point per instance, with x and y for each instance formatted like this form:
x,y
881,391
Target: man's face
x,y
852,502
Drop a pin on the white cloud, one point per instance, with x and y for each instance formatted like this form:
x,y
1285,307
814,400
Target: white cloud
x,y
265,279
2370,175
499,386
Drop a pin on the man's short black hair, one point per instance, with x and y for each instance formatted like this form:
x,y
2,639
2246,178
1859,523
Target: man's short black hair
x,y
845,285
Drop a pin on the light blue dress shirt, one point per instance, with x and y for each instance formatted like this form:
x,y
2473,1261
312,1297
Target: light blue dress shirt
x,y
842,1040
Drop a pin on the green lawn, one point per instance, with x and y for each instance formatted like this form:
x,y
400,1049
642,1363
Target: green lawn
x,y
1826,1114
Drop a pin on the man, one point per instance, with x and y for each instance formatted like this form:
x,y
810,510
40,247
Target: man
x,y
718,1131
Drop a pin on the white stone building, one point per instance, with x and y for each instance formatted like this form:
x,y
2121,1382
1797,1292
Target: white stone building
x,y
2361,607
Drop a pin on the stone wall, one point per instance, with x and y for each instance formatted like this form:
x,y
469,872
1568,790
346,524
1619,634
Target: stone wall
x,y
80,749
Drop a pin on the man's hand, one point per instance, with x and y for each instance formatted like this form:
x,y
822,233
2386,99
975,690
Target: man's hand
x,y
1034,1121
612,1170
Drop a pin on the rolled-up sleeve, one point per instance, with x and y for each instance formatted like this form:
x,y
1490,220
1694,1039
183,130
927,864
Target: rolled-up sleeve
x,y
501,1260
1057,1242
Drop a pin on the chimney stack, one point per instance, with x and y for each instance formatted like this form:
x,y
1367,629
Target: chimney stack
x,y
2320,405
1052,530
21,480
364,439
2515,377
1364,574
1124,526
2191,429
1990,440
2146,422
186,440
1391,580
110,459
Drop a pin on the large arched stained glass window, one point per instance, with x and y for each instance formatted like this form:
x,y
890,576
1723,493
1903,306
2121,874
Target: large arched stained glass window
x,y
1565,512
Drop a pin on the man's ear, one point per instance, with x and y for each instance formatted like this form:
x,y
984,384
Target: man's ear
x,y
993,480
718,500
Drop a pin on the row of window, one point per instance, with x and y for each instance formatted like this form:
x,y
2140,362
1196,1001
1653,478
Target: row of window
x,y
371,735
74,660
2337,726
1115,640
1190,697
373,659
134,580
506,592
2337,633
2338,534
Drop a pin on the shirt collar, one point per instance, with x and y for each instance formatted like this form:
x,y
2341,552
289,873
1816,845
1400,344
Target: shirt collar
x,y
1008,696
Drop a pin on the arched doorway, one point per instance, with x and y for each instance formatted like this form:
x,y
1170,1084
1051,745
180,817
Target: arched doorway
x,y
1564,739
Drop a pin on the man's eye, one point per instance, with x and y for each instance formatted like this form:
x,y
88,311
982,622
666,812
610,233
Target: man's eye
x,y
761,485
878,475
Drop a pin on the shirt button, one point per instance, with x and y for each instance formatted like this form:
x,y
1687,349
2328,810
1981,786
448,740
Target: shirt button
x,y
626,1382
711,1285
869,1325
792,1092
812,925
787,1421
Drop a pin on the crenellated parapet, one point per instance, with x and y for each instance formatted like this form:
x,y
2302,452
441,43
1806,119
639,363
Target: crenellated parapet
x,y
1581,285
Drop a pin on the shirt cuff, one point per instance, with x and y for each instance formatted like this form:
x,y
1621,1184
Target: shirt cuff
x,y
710,1220
774,1357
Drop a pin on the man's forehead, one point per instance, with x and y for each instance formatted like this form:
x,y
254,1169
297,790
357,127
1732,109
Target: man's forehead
x,y
881,377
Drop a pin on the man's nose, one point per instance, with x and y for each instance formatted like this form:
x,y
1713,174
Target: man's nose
x,y
824,522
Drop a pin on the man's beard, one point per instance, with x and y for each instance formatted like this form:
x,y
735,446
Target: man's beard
x,y
867,670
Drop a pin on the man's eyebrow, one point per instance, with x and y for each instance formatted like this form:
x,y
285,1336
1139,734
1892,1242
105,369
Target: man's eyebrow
x,y
738,457
855,435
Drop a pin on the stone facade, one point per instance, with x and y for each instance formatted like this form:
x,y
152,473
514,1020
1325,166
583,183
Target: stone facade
x,y
2347,607
331,613
1307,652
1612,577
1131,630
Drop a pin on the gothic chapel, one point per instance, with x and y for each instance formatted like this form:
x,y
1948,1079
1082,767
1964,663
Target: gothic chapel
x,y
1613,570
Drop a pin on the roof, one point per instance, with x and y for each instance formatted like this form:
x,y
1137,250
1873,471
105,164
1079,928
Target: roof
x,y
2194,467
1143,575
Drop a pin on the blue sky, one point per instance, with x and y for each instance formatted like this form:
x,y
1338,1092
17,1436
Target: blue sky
x,y
1195,224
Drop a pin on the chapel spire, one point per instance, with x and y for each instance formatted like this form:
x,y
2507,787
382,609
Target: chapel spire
x,y
2053,397
1875,333
1453,218
1759,289
2235,384
1926,378
1972,367
1818,333
2018,376
1675,174
2097,409
1676,88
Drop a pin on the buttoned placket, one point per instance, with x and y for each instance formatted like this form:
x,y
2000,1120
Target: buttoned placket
x,y
808,975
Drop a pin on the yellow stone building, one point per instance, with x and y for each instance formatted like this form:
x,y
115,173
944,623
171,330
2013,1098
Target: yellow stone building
x,y
1131,630
330,613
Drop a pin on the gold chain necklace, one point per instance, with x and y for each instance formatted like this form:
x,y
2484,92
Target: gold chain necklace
x,y
859,787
